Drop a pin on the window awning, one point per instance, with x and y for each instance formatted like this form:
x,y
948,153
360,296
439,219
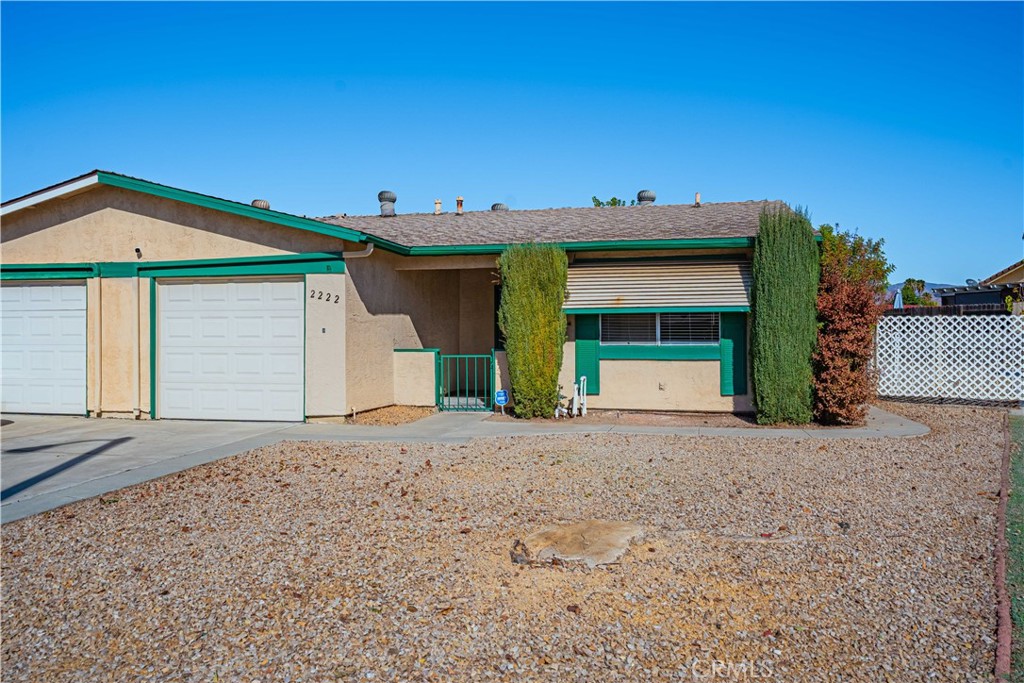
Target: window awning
x,y
690,285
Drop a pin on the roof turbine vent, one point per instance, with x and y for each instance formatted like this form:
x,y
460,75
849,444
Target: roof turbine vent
x,y
261,203
387,200
645,197
498,206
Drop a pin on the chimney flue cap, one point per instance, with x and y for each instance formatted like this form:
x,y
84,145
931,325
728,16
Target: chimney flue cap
x,y
261,203
645,197
696,199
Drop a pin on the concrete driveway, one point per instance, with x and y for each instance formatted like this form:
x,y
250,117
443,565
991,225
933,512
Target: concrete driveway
x,y
48,461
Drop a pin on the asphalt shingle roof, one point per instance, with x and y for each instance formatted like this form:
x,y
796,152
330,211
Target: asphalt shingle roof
x,y
591,224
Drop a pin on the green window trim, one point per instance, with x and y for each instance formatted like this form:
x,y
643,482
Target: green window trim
x,y
730,351
662,352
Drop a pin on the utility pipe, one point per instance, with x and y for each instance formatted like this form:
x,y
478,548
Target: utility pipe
x,y
136,361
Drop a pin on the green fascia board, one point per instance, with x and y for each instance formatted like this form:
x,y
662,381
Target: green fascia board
x,y
48,271
658,309
609,245
663,352
227,206
285,264
417,350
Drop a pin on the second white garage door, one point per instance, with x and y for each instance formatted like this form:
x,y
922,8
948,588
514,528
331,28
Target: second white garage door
x,y
231,350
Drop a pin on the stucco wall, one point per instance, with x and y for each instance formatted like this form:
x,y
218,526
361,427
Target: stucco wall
x,y
107,224
687,385
326,357
476,309
414,378
389,307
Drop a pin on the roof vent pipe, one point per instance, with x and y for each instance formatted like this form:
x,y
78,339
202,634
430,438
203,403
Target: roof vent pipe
x,y
387,200
498,206
261,203
437,207
458,206
645,197
696,199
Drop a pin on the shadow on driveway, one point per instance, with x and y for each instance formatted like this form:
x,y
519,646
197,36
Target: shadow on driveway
x,y
106,445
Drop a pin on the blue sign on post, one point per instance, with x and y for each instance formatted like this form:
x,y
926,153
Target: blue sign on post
x,y
501,397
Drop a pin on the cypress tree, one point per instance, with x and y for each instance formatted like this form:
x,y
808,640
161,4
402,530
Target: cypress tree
x,y
533,286
784,330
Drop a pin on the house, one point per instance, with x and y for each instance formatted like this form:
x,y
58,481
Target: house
x,y
124,297
989,295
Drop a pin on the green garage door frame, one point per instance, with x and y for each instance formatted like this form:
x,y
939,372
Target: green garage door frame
x,y
251,266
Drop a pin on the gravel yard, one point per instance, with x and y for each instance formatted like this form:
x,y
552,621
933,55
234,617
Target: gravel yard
x,y
772,560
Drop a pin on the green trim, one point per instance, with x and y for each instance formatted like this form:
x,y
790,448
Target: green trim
x,y
733,327
494,378
284,264
663,352
417,350
735,257
658,309
152,349
236,208
588,352
608,245
48,271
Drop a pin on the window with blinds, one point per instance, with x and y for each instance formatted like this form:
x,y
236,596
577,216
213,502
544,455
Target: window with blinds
x,y
660,328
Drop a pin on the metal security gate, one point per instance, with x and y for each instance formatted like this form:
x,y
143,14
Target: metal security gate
x,y
465,382
954,359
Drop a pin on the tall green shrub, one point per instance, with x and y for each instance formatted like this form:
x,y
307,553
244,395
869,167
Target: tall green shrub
x,y
533,286
784,328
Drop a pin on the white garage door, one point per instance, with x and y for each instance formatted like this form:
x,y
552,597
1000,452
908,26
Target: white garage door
x,y
44,342
231,350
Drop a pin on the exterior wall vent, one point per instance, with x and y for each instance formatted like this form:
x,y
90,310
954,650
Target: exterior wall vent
x,y
387,200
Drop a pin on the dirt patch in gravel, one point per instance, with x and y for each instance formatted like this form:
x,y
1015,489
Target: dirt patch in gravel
x,y
392,415
853,560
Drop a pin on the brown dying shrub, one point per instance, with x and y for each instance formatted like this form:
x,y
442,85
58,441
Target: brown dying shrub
x,y
851,298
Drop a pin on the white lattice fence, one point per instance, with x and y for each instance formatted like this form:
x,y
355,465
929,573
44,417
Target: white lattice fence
x,y
951,357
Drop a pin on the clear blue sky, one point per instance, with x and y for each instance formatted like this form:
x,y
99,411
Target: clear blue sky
x,y
904,121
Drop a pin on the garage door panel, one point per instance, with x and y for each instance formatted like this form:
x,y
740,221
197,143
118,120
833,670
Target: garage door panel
x,y
245,350
43,360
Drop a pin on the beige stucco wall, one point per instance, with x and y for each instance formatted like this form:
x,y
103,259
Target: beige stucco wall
x,y
414,378
326,357
107,224
476,311
686,385
390,306
115,365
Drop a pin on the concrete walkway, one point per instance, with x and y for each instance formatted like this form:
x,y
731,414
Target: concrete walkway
x,y
49,461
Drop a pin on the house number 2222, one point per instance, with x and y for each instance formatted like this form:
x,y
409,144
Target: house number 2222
x,y
321,295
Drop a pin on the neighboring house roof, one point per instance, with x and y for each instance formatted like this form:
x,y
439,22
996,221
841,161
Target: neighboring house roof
x,y
1002,276
727,224
966,289
731,221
